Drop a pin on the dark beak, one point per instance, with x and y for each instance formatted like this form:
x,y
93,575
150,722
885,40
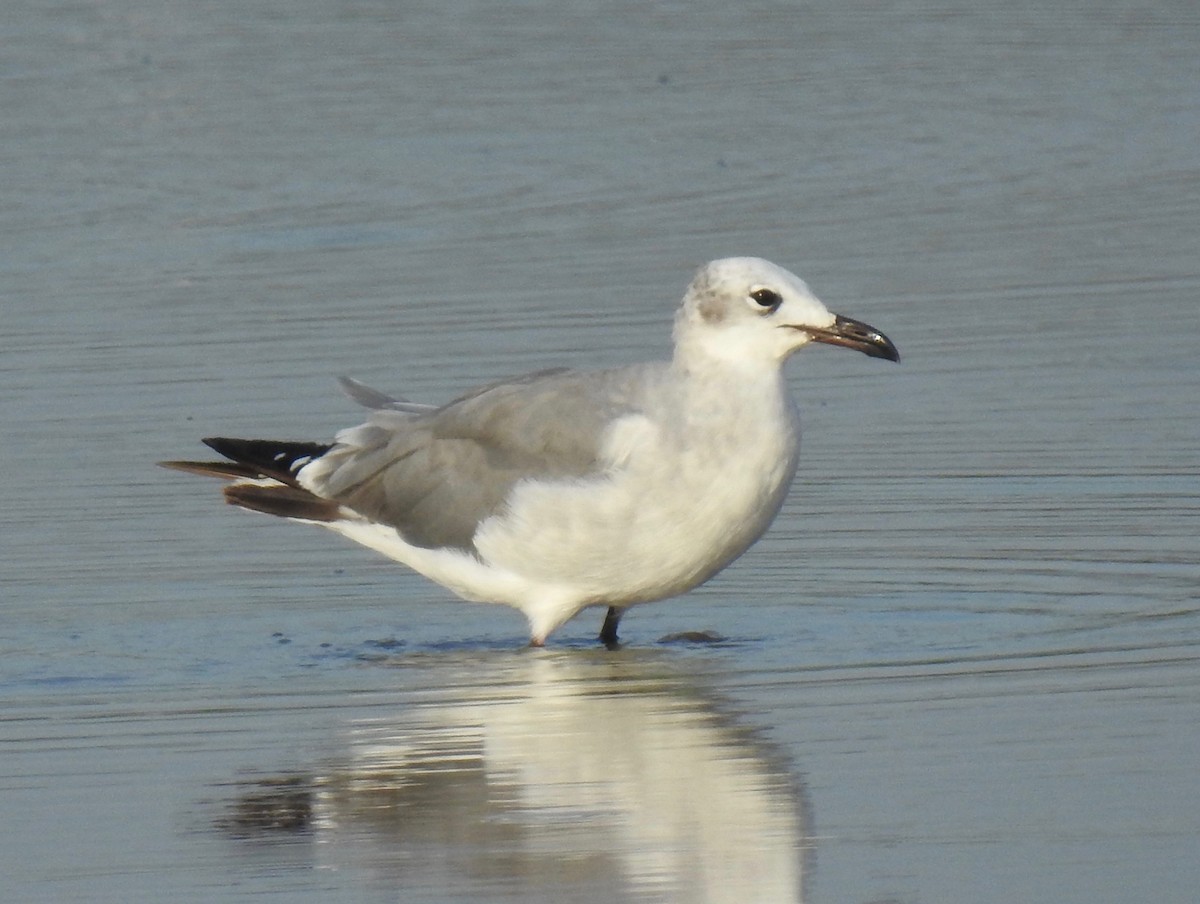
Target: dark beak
x,y
856,335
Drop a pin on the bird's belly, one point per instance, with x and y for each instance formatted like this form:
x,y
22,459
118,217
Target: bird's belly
x,y
641,534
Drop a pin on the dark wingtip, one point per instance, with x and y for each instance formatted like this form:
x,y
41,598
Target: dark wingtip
x,y
279,459
233,449
283,501
224,469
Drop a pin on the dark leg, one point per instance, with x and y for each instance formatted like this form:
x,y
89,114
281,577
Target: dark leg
x,y
608,631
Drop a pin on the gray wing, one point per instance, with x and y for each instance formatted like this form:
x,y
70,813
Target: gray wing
x,y
372,398
436,474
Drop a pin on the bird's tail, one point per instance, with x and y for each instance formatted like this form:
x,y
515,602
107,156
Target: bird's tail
x,y
264,475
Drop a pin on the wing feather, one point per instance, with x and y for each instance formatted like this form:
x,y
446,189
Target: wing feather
x,y
436,475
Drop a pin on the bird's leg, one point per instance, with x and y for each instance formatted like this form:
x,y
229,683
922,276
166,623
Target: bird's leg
x,y
608,631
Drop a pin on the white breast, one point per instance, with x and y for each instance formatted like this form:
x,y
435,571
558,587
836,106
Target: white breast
x,y
683,496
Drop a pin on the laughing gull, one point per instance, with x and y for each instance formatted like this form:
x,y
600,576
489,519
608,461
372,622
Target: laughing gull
x,y
560,490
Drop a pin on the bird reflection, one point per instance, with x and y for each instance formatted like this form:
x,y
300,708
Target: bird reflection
x,y
552,777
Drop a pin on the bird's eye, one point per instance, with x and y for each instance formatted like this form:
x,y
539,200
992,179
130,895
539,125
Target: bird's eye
x,y
766,299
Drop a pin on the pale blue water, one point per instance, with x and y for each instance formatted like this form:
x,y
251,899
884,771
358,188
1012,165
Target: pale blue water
x,y
963,666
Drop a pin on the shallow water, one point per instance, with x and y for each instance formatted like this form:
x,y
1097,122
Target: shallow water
x,y
962,666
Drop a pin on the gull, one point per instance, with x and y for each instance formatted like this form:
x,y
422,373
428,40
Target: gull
x,y
562,490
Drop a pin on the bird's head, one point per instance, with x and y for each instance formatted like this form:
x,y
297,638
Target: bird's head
x,y
749,310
